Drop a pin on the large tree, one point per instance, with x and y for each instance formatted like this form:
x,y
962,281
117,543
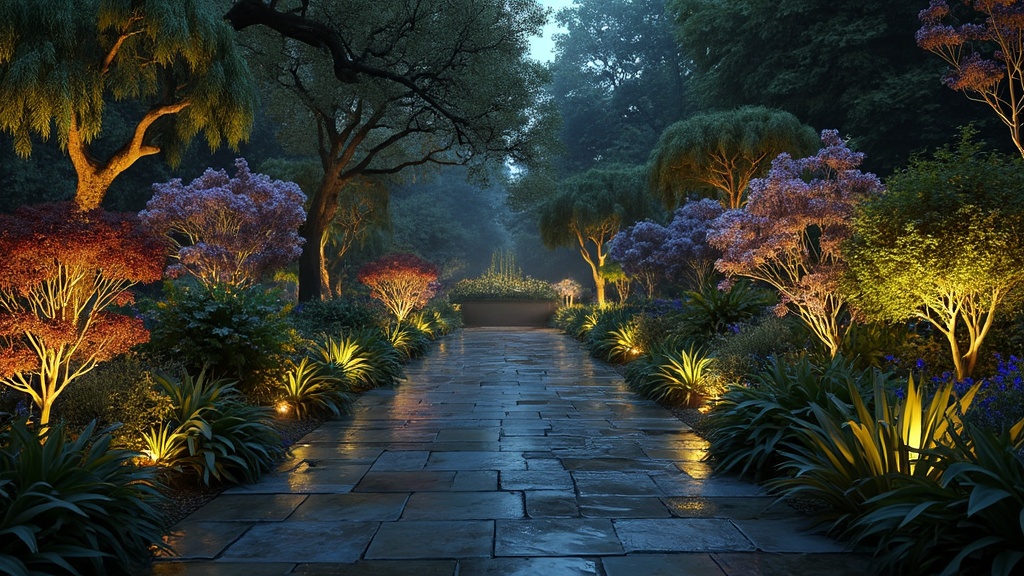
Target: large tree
x,y
435,82
589,211
944,245
63,62
846,65
791,233
619,80
722,151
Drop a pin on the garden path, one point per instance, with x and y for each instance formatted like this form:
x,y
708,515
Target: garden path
x,y
506,451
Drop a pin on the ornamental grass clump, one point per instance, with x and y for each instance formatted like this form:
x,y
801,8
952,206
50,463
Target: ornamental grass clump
x,y
307,391
674,375
504,280
364,359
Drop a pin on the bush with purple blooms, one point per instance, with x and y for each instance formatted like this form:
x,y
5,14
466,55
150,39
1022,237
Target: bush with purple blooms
x,y
228,230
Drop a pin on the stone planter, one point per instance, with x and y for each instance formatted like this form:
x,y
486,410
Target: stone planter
x,y
534,313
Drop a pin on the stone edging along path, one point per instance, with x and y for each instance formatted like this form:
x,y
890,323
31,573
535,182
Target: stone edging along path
x,y
506,451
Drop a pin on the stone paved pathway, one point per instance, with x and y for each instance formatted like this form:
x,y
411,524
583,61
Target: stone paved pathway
x,y
504,452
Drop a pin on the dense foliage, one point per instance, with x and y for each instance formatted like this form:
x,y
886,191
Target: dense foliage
x,y
64,63
943,246
720,152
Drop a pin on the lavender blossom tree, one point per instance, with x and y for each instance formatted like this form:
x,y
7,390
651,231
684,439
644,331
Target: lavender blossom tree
x,y
791,232
227,230
997,79
679,252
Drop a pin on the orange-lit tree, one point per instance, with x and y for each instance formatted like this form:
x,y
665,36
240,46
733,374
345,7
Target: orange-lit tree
x,y
61,271
403,282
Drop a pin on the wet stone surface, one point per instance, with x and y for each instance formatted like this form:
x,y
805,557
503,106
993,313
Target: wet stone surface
x,y
505,451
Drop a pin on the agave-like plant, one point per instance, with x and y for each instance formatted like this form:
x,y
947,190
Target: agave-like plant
x,y
424,322
407,339
846,461
225,438
164,444
363,358
675,375
967,522
306,391
74,505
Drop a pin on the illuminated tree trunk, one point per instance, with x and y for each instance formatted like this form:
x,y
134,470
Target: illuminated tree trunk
x,y
94,176
314,282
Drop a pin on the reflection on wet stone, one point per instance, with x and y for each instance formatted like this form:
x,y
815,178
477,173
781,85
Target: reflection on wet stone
x,y
503,452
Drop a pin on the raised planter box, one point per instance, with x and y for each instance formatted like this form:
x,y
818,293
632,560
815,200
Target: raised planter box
x,y
508,313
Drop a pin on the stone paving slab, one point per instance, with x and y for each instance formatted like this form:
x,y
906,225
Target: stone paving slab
x,y
504,452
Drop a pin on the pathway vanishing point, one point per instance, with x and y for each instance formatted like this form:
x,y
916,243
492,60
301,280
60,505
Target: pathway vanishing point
x,y
506,451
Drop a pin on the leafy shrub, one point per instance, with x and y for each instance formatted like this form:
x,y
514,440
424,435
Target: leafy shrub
x,y
318,318
223,437
73,505
307,391
443,316
752,348
570,319
239,334
711,311
601,321
673,375
751,425
363,358
120,391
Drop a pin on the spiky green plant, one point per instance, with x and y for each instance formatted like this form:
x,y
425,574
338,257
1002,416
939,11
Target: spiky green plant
x,y
306,391
365,359
73,505
845,460
164,444
674,375
407,339
751,424
226,439
969,522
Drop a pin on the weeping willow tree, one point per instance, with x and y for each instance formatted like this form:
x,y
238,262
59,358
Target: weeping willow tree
x,y
723,150
590,209
63,61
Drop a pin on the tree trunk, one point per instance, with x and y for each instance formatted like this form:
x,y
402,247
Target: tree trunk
x,y
313,278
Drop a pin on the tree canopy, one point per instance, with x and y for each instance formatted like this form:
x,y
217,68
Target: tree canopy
x,y
851,66
722,151
62,63
944,244
618,79
438,83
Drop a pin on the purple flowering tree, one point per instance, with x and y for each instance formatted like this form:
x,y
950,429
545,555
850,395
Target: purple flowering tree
x,y
995,79
679,252
791,232
227,230
686,255
637,249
